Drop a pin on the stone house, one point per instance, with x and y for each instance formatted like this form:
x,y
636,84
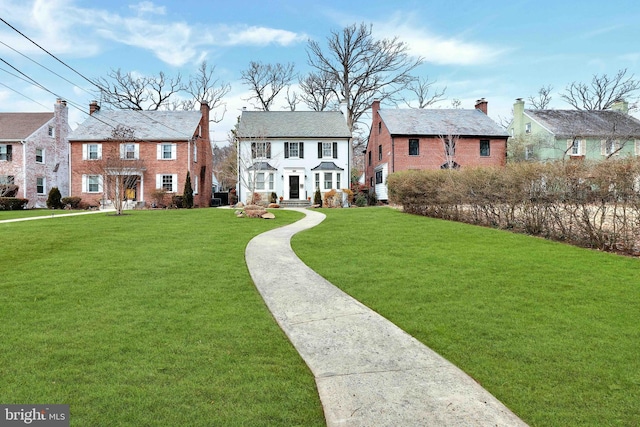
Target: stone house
x,y
34,153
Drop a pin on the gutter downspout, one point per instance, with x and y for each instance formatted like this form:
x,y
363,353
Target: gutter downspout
x,y
393,154
24,168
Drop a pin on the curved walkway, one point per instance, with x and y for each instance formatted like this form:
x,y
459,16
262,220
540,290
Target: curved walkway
x,y
368,371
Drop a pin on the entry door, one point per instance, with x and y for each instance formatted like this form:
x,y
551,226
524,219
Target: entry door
x,y
294,187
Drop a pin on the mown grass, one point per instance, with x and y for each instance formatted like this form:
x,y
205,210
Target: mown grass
x,y
149,319
550,329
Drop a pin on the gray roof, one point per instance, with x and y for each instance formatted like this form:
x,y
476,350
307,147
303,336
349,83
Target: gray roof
x,y
327,166
261,166
16,126
147,125
293,124
440,122
595,124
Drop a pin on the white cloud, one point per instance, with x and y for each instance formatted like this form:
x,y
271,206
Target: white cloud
x,y
261,36
441,50
148,7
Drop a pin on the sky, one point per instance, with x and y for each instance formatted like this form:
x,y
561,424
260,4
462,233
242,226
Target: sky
x,y
497,50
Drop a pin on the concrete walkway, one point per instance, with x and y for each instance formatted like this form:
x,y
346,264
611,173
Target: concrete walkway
x,y
368,371
55,214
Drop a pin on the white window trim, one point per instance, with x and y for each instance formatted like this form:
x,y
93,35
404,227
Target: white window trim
x,y
174,182
42,155
581,147
44,185
85,184
160,151
85,151
123,151
615,147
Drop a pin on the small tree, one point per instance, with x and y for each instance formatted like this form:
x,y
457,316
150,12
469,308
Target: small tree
x,y
187,201
54,201
317,198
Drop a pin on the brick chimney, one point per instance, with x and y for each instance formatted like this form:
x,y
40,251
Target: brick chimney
x,y
93,107
481,104
204,121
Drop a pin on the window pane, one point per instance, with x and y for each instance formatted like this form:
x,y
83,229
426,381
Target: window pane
x,y
317,180
328,183
484,147
167,183
93,152
326,150
293,149
414,147
260,181
166,151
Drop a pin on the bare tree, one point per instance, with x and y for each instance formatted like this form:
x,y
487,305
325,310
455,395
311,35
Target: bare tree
x,y
602,92
362,68
317,91
205,87
449,142
542,99
126,91
421,89
293,99
456,103
225,165
266,81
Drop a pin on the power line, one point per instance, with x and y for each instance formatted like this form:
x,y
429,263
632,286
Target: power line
x,y
22,94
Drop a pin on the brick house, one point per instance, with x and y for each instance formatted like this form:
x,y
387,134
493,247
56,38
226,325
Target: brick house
x,y
164,146
404,139
34,153
291,153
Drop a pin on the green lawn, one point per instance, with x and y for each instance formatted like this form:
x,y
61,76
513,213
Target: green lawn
x,y
149,319
552,330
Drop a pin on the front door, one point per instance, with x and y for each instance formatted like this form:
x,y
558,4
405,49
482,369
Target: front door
x,y
294,187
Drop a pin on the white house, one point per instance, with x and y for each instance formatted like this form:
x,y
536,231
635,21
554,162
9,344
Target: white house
x,y
291,153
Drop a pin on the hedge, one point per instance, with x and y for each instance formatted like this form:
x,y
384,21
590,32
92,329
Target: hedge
x,y
12,203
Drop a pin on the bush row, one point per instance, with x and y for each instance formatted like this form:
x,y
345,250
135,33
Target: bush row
x,y
12,203
594,205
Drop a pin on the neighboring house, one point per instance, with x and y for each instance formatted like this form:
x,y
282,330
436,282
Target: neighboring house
x,y
34,153
403,139
576,134
163,146
292,153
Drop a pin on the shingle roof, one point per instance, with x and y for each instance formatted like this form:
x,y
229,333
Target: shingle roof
x,y
293,124
596,124
440,122
14,126
147,125
327,166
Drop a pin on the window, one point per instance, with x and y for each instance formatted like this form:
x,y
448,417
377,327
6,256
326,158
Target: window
x,y
371,182
167,151
91,151
328,180
40,185
379,127
528,152
414,147
6,152
338,180
575,147
271,181
485,148
369,158
195,184
450,147
527,128
129,151
327,150
195,152
167,183
260,181
317,180
260,150
379,152
609,147
39,155
51,131
93,183
7,179
294,149
379,177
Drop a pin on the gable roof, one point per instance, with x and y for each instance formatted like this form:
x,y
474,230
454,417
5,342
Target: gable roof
x,y
293,124
147,125
594,124
17,126
440,122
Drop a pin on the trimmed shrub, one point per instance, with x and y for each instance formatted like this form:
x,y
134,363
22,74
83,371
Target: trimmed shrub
x,y
361,200
54,201
187,196
72,202
273,198
8,190
12,203
317,198
177,201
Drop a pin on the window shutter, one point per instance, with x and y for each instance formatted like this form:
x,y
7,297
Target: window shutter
x,y
123,151
85,153
637,147
84,181
174,149
603,147
174,183
335,150
569,144
158,181
136,148
319,150
159,151
286,150
301,150
195,184
583,147
99,151
268,146
100,184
